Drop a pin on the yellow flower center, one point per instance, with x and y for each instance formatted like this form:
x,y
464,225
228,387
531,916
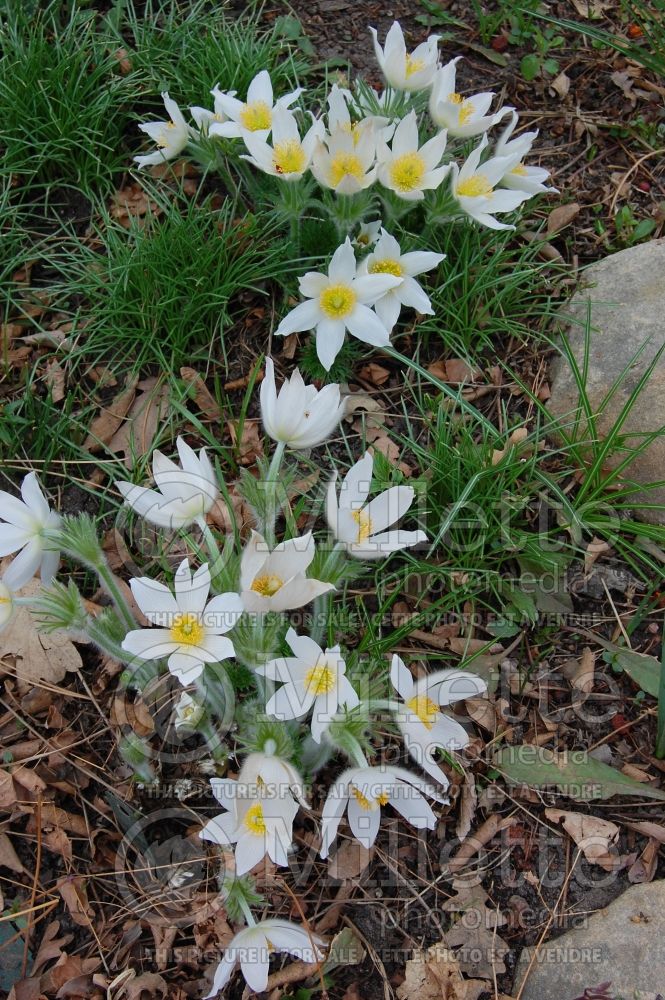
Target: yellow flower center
x,y
320,679
289,157
466,108
256,116
520,170
407,171
364,522
187,629
386,266
164,139
267,585
424,708
353,129
254,820
362,800
476,186
383,798
413,66
345,165
337,301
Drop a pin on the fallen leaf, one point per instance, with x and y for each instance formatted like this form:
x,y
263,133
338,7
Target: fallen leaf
x,y
250,445
136,435
516,437
376,374
580,672
75,897
8,856
561,84
436,975
592,10
595,837
55,380
561,217
482,712
104,426
204,399
644,868
468,803
36,655
596,548
350,861
486,832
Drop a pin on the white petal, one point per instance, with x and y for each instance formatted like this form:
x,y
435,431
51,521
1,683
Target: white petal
x,y
365,325
329,341
304,317
155,600
342,267
401,678
389,507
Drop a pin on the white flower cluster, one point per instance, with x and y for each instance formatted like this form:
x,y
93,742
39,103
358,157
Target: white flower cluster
x,y
311,695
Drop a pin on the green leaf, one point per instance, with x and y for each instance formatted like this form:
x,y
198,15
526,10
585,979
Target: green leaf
x,y
551,66
530,66
574,774
644,229
498,58
643,669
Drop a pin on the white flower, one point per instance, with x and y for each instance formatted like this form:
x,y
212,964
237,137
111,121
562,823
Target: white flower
x,y
474,187
337,302
183,495
171,136
461,116
260,811
364,790
289,156
407,168
276,581
345,162
360,527
188,714
424,728
6,604
531,180
299,415
368,234
313,678
204,118
387,258
255,115
190,631
339,115
406,71
253,946
22,526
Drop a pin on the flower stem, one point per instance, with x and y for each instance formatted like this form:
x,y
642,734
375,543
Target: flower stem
x,y
270,511
109,582
353,750
383,705
249,916
106,644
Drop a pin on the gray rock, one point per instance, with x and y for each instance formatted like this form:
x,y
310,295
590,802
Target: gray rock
x,y
623,944
627,296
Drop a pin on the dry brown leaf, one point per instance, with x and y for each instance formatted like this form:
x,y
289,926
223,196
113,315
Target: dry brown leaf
x,y
374,411
596,548
8,856
436,975
580,672
455,370
289,346
204,399
561,85
121,56
57,841
73,890
35,655
55,380
489,829
561,217
350,861
644,868
250,445
376,374
592,9
104,426
517,437
481,710
482,949
135,437
595,837
148,985
468,804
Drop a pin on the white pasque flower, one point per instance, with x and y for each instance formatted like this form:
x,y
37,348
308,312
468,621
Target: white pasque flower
x,y
360,526
364,790
252,948
204,117
461,116
6,604
424,727
387,258
276,581
188,714
368,234
190,629
312,679
261,808
344,161
299,415
339,301
531,180
171,136
22,526
406,70
289,156
253,116
407,168
340,100
473,187
183,495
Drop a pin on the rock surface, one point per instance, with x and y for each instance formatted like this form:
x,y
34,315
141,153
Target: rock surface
x,y
623,944
627,296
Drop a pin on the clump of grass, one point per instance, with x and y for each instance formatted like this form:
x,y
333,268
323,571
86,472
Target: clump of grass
x,y
164,292
64,102
189,48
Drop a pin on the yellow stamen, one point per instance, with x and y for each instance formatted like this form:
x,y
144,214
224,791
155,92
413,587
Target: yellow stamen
x,y
407,171
337,301
413,66
520,170
164,141
289,157
364,522
256,117
476,186
466,108
383,798
362,800
345,165
320,679
267,585
254,821
187,629
386,266
424,708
